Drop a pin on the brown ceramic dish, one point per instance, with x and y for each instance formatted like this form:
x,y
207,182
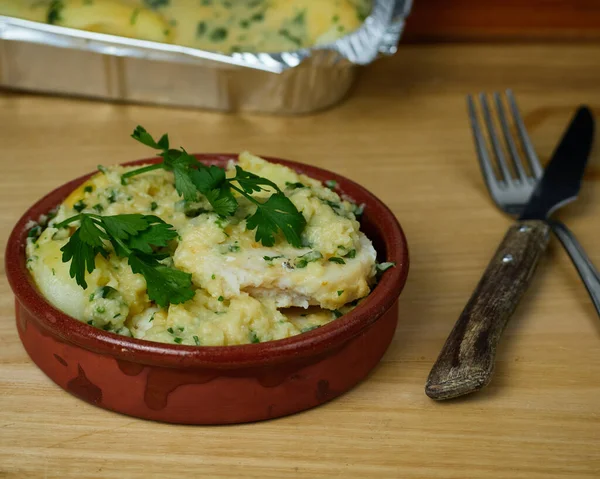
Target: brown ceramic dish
x,y
212,385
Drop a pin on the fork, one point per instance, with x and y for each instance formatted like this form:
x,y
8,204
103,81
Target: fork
x,y
511,194
466,362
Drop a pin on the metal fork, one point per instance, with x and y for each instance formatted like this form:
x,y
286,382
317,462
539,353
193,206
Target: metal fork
x,y
511,193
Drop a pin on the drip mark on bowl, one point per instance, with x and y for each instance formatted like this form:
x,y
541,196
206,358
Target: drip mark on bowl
x,y
82,387
128,368
161,383
60,360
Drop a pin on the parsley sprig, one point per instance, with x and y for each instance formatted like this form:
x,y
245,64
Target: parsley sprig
x,y
132,236
274,215
177,161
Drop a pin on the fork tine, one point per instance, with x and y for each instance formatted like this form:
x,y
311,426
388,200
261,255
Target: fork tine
x,y
512,148
534,162
506,176
485,161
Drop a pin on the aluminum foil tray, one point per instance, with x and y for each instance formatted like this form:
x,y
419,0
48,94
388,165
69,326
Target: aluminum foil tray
x,y
58,60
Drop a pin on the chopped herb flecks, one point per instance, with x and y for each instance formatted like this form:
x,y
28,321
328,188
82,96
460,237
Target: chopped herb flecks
x,y
381,267
310,257
218,34
79,206
351,254
254,337
54,12
335,259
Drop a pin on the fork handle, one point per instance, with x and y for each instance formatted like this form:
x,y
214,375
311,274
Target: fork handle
x,y
466,362
588,273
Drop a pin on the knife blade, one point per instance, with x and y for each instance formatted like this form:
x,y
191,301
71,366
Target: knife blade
x,y
466,362
561,181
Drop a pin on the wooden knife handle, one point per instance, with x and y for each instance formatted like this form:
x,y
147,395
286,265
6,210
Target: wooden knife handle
x,y
466,362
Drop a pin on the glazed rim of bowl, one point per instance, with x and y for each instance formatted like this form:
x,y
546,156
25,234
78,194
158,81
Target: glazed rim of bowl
x,y
311,343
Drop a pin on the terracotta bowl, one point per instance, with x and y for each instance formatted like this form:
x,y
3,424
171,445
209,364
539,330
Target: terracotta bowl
x,y
218,384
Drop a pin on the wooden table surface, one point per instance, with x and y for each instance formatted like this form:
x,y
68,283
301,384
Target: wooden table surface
x,y
404,135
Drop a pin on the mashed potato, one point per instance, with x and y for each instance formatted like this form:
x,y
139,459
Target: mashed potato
x,y
217,25
244,292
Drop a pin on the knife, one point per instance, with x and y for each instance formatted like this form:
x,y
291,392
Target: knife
x,y
466,362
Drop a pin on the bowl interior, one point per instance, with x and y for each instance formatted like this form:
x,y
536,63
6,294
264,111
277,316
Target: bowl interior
x,y
377,222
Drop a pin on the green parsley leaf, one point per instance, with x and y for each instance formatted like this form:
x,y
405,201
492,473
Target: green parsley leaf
x,y
132,237
83,247
158,234
222,201
165,285
172,159
278,213
140,134
251,183
207,179
212,183
124,226
183,183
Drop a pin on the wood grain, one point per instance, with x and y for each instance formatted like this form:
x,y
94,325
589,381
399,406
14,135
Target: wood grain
x,y
466,362
403,134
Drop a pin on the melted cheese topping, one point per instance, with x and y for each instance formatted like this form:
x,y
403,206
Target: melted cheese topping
x,y
244,292
216,25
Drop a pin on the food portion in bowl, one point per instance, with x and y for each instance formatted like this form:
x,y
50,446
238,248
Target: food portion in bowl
x,y
181,252
215,25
